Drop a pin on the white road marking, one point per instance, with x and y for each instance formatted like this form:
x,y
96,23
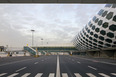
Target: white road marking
x,y
3,74
113,74
25,75
99,61
15,62
12,75
72,59
104,75
51,75
21,69
35,62
42,60
78,62
58,67
92,67
90,75
77,75
39,75
64,75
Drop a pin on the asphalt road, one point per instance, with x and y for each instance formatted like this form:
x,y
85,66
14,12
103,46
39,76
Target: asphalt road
x,y
58,66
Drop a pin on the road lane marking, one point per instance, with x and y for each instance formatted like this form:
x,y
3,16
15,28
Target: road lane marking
x,y
25,75
14,62
99,61
39,75
3,74
42,60
113,74
58,67
21,69
78,62
90,75
64,75
51,75
104,75
35,62
77,75
72,59
92,67
12,75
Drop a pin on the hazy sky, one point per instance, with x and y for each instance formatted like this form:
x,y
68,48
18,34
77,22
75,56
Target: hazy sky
x,y
55,23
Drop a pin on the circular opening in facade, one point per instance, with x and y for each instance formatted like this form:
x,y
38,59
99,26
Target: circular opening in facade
x,y
102,32
104,14
114,18
91,33
100,42
96,20
105,25
101,38
109,15
95,35
112,27
111,35
97,29
100,22
108,40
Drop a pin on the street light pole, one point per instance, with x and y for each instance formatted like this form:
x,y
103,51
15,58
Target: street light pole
x,y
32,36
42,40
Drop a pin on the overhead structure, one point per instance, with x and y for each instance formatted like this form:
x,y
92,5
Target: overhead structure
x,y
57,1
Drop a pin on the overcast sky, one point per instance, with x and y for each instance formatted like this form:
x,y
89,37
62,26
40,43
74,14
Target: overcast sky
x,y
55,23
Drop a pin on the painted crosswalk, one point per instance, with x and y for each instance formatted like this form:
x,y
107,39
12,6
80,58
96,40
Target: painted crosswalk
x,y
53,75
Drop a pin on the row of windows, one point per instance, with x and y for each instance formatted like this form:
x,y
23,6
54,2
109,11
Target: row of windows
x,y
102,32
91,46
96,45
109,5
105,25
100,37
104,13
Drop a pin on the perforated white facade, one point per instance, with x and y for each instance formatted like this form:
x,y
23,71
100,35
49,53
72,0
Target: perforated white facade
x,y
100,32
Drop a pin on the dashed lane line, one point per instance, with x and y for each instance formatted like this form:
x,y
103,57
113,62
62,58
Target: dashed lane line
x,y
104,75
21,69
51,75
113,74
64,75
77,75
35,62
3,74
90,75
92,67
25,75
39,75
12,75
78,62
98,61
14,62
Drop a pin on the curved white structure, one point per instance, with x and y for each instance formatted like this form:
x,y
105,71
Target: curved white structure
x,y
100,32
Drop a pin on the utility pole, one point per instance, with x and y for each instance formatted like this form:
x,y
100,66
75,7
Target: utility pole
x,y
32,37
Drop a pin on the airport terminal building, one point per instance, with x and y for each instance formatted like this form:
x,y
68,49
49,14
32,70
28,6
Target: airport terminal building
x,y
99,33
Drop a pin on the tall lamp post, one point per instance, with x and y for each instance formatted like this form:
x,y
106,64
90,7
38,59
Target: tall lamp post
x,y
42,40
32,36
